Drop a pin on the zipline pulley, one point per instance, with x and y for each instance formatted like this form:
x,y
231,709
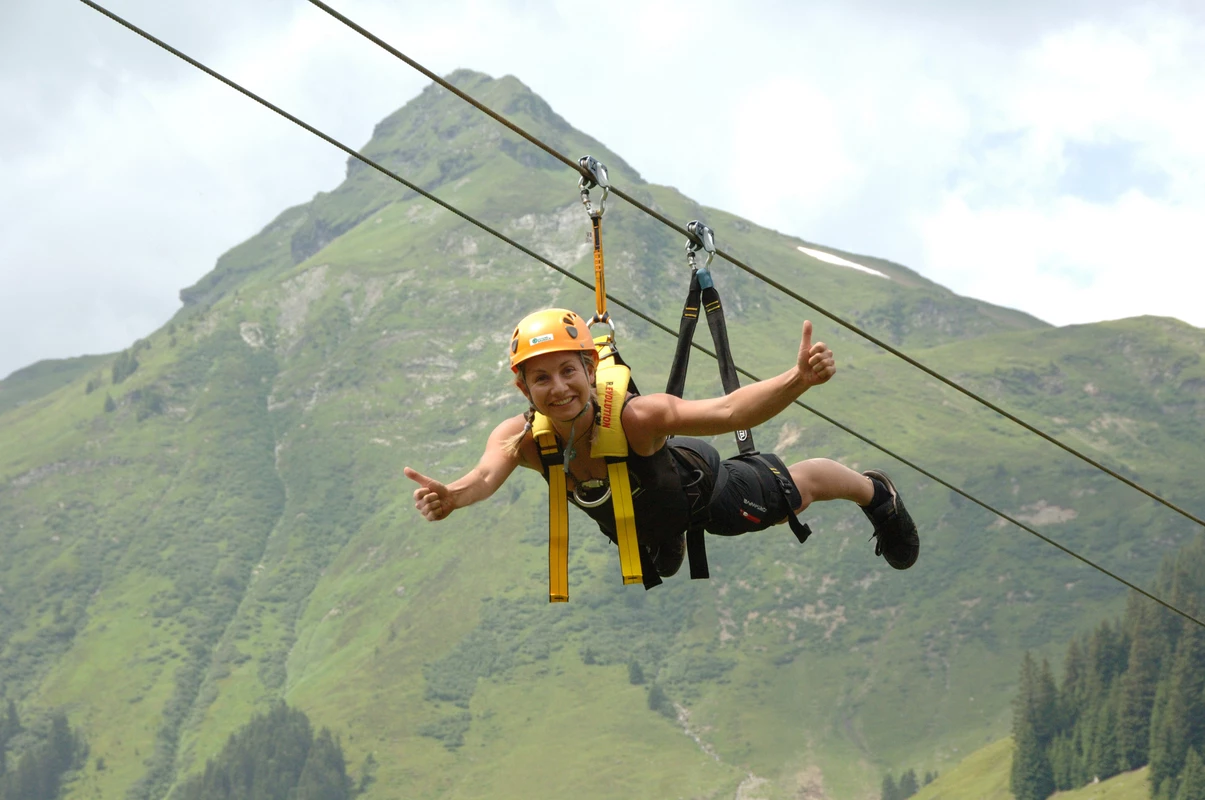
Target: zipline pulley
x,y
699,237
594,173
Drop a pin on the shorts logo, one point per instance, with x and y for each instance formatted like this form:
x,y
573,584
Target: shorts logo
x,y
751,504
548,337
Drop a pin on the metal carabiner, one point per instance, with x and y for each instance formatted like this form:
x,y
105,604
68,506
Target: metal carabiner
x,y
582,502
699,237
605,319
594,174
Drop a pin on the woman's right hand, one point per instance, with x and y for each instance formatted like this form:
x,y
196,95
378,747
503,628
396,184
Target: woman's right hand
x,y
431,498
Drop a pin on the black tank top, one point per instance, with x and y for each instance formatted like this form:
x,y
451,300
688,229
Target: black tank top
x,y
665,485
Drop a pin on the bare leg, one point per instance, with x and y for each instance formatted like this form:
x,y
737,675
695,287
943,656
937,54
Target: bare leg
x,y
823,479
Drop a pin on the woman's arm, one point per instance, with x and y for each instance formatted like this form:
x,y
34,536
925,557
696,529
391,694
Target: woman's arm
x,y
435,500
647,420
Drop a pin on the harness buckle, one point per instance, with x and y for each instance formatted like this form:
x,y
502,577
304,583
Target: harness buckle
x,y
594,173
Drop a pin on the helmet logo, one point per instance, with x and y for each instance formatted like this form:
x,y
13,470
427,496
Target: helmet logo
x,y
548,337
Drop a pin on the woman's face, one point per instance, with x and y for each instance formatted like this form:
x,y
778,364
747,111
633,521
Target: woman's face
x,y
557,384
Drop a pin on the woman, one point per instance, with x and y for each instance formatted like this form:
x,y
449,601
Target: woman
x,y
676,482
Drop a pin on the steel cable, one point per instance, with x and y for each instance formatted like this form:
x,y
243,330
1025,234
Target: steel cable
x,y
627,307
755,273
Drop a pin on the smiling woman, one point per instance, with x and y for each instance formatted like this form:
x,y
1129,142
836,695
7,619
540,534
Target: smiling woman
x,y
670,482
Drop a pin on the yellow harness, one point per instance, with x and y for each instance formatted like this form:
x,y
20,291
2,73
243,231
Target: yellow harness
x,y
610,444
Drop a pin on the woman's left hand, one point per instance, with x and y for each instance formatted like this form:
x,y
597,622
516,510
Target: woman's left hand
x,y
815,362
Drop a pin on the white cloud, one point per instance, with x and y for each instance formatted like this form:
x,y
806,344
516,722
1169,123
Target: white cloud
x,y
1072,261
789,150
942,139
1012,230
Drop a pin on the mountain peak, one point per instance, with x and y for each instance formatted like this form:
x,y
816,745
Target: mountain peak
x,y
436,121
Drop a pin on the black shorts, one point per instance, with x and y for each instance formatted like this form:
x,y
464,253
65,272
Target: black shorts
x,y
751,493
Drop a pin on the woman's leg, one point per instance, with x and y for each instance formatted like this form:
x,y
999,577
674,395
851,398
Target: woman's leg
x,y
821,479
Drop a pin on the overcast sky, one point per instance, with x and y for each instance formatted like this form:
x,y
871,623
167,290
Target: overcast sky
x,y
1043,155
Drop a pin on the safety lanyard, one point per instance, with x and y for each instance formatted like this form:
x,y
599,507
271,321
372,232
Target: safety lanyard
x,y
613,383
702,291
594,173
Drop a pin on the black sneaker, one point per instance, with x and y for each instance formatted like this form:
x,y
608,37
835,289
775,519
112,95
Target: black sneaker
x,y
897,542
668,557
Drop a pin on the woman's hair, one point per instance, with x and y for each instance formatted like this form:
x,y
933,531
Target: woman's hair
x,y
513,444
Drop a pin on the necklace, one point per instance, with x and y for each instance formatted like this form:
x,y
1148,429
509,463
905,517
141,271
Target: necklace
x,y
571,450
590,483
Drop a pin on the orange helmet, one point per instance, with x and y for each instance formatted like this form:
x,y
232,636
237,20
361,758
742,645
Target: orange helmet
x,y
549,331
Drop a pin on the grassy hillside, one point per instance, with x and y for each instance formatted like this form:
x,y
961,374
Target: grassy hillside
x,y
983,775
237,527
44,377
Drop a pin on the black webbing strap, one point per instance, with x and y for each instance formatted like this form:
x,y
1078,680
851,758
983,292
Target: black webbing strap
x,y
800,529
696,553
702,293
719,335
648,570
686,334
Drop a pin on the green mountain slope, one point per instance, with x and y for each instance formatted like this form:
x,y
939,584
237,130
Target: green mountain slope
x,y
42,378
983,775
238,529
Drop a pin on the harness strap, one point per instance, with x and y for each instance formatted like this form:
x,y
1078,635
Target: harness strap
x,y
686,334
558,509
702,292
611,381
612,384
699,493
800,529
625,521
719,335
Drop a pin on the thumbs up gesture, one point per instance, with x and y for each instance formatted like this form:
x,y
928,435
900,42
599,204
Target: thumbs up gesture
x,y
431,498
815,362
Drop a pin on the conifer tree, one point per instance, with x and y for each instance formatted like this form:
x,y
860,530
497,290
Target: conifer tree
x,y
890,790
325,774
1103,758
1137,698
38,774
1030,777
1072,693
659,701
908,785
1160,749
1046,719
1180,724
1192,779
274,757
1061,760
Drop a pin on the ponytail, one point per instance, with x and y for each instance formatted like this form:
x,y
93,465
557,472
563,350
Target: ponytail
x,y
512,445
